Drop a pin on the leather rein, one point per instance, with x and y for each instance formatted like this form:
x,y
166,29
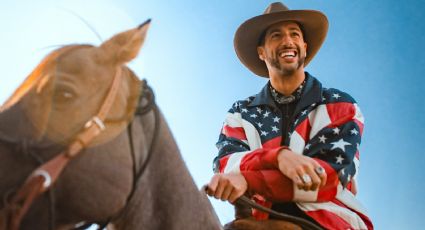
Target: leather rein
x,y
42,178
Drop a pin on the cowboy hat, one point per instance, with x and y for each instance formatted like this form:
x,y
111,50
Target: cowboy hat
x,y
314,26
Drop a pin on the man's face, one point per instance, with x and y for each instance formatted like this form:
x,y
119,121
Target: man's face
x,y
284,49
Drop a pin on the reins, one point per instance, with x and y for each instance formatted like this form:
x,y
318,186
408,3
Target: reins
x,y
246,202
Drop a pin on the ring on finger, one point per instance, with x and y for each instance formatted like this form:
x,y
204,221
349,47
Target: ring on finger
x,y
306,179
319,170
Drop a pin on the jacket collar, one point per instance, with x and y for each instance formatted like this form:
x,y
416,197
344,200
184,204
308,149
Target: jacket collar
x,y
263,98
312,93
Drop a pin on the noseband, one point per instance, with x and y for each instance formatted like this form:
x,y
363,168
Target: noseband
x,y
42,178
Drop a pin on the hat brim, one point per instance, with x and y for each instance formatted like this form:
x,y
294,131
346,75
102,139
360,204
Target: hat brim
x,y
314,25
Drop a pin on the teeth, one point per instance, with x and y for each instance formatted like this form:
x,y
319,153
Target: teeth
x,y
288,54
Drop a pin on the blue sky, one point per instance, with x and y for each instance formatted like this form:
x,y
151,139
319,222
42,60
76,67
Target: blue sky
x,y
374,51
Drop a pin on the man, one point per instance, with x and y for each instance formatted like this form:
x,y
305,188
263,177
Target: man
x,y
293,146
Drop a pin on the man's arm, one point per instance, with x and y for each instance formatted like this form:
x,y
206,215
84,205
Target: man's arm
x,y
237,142
228,183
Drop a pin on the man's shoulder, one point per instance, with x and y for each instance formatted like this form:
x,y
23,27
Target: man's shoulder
x,y
242,104
333,95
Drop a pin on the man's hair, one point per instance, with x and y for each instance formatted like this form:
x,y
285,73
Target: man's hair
x,y
261,40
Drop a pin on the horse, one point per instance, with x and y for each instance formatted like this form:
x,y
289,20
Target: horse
x,y
130,175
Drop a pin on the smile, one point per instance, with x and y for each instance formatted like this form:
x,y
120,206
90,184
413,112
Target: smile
x,y
288,54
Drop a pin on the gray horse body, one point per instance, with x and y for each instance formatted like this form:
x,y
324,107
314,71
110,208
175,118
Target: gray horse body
x,y
172,200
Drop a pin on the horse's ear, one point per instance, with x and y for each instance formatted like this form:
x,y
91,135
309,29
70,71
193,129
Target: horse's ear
x,y
125,46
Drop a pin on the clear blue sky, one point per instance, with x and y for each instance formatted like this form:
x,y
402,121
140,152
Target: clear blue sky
x,y
374,51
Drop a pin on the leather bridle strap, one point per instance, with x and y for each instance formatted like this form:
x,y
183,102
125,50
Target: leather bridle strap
x,y
46,175
146,93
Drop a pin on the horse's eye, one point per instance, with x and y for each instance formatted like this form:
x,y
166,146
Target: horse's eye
x,y
67,95
64,96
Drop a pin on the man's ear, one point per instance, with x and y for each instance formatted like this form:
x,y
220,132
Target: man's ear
x,y
261,53
305,47
124,46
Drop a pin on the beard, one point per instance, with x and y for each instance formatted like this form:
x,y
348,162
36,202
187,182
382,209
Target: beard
x,y
286,69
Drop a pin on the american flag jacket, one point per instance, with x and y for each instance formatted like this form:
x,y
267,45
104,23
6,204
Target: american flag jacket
x,y
327,125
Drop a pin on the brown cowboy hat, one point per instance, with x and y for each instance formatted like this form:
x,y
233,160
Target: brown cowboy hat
x,y
314,25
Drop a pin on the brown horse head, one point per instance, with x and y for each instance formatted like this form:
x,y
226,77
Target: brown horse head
x,y
51,107
67,88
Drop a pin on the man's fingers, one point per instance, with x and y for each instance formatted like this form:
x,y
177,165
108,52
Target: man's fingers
x,y
320,171
227,186
209,191
222,183
307,181
310,174
212,186
236,193
226,193
298,181
315,179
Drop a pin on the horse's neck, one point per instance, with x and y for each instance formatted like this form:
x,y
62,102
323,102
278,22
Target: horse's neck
x,y
166,196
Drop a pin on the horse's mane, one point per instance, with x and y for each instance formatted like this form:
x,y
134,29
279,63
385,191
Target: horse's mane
x,y
36,75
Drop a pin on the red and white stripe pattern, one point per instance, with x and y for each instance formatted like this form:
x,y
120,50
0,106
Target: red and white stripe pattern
x,y
345,210
239,128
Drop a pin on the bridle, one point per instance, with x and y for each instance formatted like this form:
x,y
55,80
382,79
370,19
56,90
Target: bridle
x,y
43,178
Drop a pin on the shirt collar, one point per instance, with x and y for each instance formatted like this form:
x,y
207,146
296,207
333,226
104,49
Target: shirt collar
x,y
282,99
311,94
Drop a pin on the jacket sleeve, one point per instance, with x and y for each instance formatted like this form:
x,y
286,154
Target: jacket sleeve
x,y
338,141
276,187
237,152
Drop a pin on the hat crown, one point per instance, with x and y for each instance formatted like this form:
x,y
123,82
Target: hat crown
x,y
275,7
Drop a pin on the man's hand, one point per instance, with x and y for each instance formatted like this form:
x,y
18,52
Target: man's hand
x,y
227,186
305,172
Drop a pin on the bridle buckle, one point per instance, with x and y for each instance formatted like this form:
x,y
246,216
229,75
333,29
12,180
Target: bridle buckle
x,y
97,121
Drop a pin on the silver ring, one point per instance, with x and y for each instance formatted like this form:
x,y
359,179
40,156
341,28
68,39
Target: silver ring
x,y
319,170
45,175
306,179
